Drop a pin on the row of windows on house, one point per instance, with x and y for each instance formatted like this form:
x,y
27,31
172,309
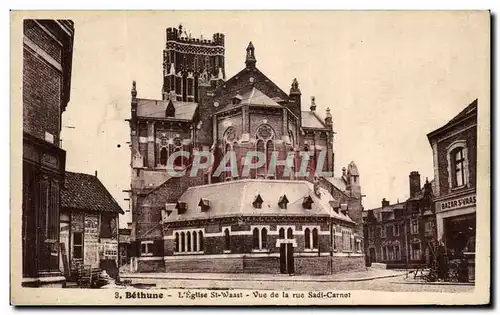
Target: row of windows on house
x,y
393,252
192,241
109,251
388,230
204,204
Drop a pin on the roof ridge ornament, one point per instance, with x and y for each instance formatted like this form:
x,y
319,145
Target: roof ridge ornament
x,y
250,59
295,87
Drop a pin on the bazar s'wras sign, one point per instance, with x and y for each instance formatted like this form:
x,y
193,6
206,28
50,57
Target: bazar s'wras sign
x,y
461,202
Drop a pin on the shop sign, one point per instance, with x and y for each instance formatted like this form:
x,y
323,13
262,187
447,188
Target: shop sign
x,y
460,202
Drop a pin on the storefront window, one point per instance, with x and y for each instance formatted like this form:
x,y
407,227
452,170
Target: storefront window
x,y
460,234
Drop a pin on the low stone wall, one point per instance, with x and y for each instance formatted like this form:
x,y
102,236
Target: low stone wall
x,y
150,265
215,265
303,265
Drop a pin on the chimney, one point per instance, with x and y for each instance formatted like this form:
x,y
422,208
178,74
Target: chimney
x,y
95,173
385,203
414,184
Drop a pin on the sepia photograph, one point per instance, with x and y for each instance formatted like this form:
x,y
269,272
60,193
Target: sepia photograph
x,y
250,157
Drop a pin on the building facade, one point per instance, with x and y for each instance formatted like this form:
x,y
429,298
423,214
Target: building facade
x,y
47,62
454,148
402,235
89,221
203,113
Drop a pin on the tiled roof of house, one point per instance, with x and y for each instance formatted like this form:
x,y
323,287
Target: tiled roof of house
x,y
157,109
311,120
254,97
469,110
239,197
86,192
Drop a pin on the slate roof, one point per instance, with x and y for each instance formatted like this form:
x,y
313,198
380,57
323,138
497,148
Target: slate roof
x,y
239,197
469,110
156,109
254,97
337,182
389,208
86,192
311,120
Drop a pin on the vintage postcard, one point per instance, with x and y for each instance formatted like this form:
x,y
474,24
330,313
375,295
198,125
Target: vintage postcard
x,y
250,157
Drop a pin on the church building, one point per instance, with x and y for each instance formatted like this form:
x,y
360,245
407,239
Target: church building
x,y
260,220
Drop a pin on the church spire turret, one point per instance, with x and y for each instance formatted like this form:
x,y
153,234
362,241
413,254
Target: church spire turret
x,y
250,60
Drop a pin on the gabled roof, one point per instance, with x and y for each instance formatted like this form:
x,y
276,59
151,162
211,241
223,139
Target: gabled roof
x,y
86,192
157,109
311,120
256,71
338,182
254,97
240,195
470,110
389,208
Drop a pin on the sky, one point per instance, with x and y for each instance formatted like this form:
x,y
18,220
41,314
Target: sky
x,y
389,78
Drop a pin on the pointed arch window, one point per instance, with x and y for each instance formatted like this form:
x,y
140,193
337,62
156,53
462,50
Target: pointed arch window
x,y
163,156
183,242
265,137
188,242
264,238
202,246
307,238
262,149
227,240
176,242
315,238
195,241
282,233
289,233
255,239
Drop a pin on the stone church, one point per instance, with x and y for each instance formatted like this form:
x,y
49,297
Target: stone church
x,y
258,221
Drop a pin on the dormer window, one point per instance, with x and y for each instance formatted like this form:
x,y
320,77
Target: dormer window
x,y
170,111
236,99
307,203
181,207
257,203
204,204
343,208
169,208
283,201
335,205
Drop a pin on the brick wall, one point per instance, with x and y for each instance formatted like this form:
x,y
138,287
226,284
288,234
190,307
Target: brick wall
x,y
261,264
313,265
303,265
223,265
150,265
41,97
34,32
238,84
470,135
341,264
